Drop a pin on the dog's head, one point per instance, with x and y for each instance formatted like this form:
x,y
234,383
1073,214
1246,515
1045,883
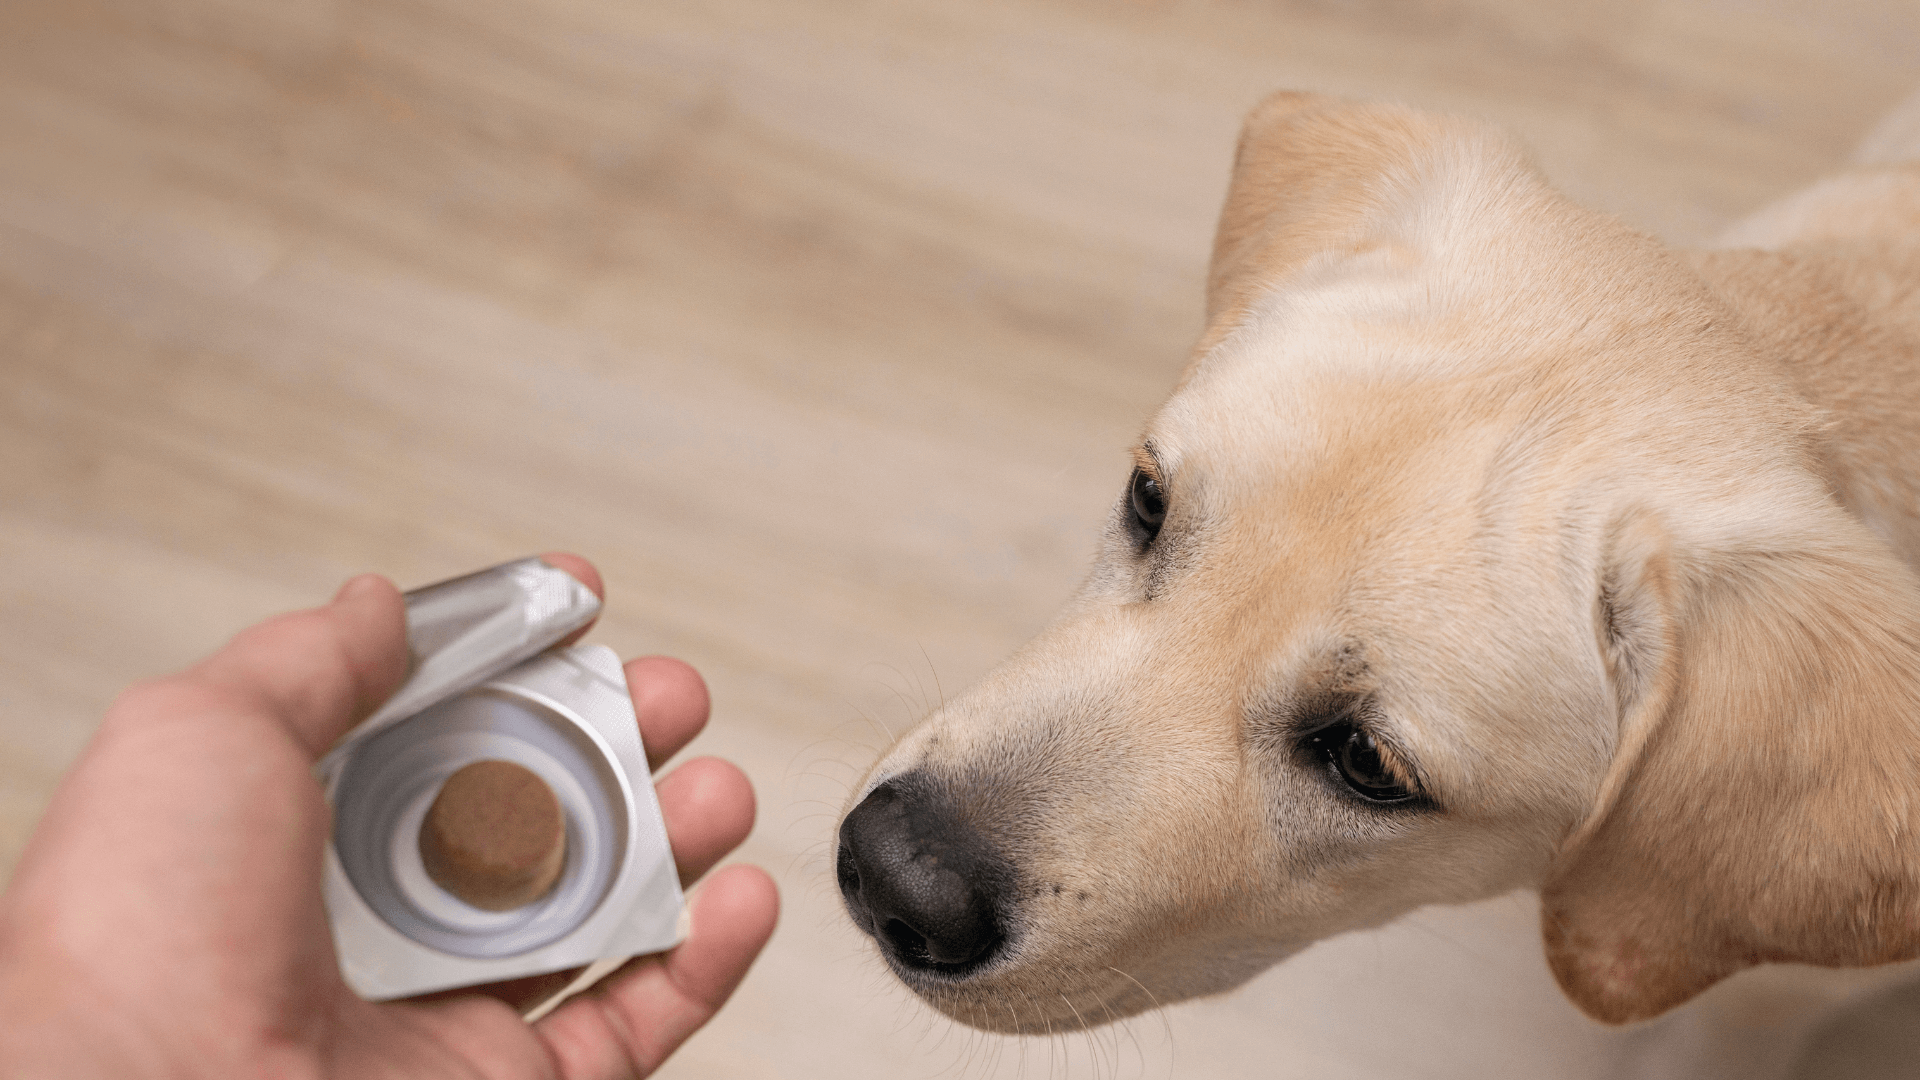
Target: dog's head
x,y
1478,548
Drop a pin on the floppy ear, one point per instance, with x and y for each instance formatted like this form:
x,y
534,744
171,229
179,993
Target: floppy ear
x,y
1761,803
1314,174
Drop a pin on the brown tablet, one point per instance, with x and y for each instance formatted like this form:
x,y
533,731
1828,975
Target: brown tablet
x,y
495,836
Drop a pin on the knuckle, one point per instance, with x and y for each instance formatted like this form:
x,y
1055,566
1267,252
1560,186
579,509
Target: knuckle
x,y
293,659
185,694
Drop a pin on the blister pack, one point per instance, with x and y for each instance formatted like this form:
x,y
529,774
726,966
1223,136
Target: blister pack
x,y
496,817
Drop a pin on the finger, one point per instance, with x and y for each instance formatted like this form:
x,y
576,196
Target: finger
x,y
318,671
670,700
583,572
669,697
708,805
630,1023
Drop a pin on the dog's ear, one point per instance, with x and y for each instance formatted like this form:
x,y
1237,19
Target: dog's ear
x,y
1314,174
1761,804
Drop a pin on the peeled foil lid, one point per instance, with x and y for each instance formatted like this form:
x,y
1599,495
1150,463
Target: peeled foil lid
x,y
466,630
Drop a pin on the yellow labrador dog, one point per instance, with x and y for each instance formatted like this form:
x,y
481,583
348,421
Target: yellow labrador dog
x,y
1484,543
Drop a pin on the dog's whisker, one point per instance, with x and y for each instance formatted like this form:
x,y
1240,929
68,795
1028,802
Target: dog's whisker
x,y
1054,1039
915,711
940,692
1106,1041
828,812
1121,1026
1026,1043
1118,1031
1159,1010
1116,1028
1014,1015
1416,921
1084,1032
994,1048
919,691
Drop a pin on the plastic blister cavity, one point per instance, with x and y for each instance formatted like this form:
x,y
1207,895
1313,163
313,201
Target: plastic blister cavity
x,y
484,688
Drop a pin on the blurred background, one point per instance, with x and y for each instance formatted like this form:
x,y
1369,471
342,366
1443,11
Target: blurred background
x,y
822,328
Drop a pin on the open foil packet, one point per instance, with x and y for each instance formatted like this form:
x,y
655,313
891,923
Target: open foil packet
x,y
487,685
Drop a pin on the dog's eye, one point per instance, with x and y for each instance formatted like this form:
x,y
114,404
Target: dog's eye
x,y
1350,751
1149,506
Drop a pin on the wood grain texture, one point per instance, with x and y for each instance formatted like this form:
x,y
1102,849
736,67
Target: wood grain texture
x,y
820,327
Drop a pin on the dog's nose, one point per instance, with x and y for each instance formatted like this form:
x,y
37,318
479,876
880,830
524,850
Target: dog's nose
x,y
924,883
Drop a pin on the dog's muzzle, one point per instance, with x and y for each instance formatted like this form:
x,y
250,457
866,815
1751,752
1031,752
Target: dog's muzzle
x,y
929,886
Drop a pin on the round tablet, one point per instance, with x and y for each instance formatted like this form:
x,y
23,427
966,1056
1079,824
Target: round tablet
x,y
495,836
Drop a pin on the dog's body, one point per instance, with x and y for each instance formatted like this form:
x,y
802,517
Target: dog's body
x,y
1484,544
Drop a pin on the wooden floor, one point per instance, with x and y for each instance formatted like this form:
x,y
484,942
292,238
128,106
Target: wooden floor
x,y
821,327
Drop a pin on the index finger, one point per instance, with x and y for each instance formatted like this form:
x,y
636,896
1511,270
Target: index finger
x,y
669,697
582,571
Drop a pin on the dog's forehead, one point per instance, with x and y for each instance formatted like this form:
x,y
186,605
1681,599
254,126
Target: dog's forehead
x,y
1309,420
1366,467
1357,317
1315,362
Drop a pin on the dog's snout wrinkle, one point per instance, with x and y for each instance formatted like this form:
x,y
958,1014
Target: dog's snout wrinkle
x,y
927,885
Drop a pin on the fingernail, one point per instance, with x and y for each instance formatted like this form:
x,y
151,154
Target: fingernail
x,y
356,586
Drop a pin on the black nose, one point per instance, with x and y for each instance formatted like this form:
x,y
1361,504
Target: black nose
x,y
927,885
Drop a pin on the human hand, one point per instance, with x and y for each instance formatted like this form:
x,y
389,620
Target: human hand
x,y
165,919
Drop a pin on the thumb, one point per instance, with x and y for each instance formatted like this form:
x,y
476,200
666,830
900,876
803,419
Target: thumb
x,y
322,670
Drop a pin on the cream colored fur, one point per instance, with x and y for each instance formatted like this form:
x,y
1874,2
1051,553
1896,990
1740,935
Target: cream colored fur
x,y
1617,546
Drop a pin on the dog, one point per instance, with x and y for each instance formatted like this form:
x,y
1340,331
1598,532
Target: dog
x,y
1483,544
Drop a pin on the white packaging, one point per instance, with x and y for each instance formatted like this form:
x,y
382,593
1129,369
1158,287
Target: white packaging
x,y
483,689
